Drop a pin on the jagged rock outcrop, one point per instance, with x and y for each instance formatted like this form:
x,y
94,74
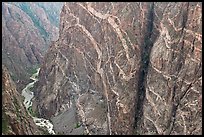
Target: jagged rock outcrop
x,y
124,68
15,118
26,35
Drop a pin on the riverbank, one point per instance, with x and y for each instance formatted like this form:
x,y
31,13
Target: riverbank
x,y
28,96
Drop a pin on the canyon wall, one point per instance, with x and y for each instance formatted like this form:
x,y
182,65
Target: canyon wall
x,y
173,86
27,32
15,118
124,68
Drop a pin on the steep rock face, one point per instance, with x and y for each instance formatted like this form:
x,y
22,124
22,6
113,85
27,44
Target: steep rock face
x,y
26,34
124,68
92,68
172,103
15,118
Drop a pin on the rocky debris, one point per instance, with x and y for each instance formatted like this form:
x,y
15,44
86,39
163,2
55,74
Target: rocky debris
x,y
124,68
15,118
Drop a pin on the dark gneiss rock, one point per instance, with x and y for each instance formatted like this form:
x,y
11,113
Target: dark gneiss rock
x,y
124,68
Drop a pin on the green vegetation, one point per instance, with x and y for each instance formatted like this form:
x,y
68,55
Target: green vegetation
x,y
31,88
84,133
14,77
27,113
17,107
59,133
18,18
136,132
44,131
77,125
4,122
31,112
51,14
33,70
26,8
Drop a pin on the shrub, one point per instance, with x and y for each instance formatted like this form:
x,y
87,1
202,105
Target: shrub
x,y
77,125
31,111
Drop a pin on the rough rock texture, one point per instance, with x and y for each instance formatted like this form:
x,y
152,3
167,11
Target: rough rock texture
x,y
26,35
173,86
15,118
124,68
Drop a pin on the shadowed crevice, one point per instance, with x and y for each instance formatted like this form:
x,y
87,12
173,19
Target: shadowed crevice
x,y
144,65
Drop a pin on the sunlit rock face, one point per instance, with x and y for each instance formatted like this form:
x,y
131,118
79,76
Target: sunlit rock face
x,y
15,118
27,32
124,68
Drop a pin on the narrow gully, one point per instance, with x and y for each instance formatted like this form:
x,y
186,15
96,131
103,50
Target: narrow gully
x,y
144,64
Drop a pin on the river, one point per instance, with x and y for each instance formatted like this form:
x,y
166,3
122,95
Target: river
x,y
28,94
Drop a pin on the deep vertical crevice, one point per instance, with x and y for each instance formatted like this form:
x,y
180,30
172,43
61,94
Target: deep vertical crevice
x,y
144,64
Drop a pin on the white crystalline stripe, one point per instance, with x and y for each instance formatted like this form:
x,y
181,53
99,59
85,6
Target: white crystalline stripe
x,y
92,40
95,45
112,23
164,32
190,43
106,95
155,13
117,30
143,15
90,65
188,55
151,89
196,91
184,124
118,100
63,56
27,103
197,35
130,40
77,19
88,12
97,14
118,104
124,76
159,130
167,75
63,73
172,23
100,71
111,68
150,100
115,26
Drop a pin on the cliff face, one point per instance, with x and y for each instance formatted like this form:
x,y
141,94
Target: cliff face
x,y
15,118
173,96
26,35
124,68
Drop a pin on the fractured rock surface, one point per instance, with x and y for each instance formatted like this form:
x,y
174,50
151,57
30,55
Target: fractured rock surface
x,y
124,68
